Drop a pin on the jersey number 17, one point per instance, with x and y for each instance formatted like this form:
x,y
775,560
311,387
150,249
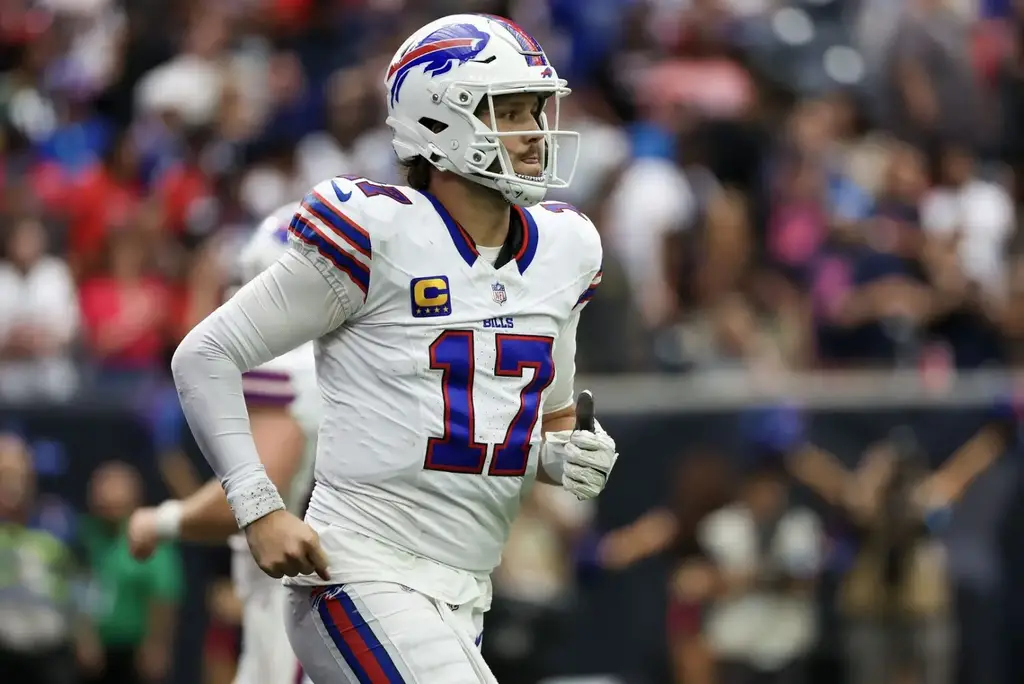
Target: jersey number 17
x,y
457,450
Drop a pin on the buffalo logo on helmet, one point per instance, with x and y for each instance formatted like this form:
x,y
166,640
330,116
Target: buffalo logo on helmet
x,y
438,53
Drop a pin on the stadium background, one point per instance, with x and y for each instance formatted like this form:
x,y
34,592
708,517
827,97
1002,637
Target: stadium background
x,y
810,217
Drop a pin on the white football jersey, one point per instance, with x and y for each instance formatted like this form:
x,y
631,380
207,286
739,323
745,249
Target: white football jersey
x,y
435,385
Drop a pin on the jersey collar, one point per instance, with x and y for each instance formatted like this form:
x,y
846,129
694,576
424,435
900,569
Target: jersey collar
x,y
522,231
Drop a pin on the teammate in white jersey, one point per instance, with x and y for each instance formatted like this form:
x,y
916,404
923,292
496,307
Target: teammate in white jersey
x,y
444,315
285,410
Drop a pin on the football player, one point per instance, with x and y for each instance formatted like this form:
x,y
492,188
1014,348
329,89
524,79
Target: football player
x,y
444,315
283,403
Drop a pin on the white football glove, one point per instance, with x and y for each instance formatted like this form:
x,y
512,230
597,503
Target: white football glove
x,y
581,460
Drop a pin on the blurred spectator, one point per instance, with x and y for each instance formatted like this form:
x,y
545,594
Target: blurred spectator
x,y
875,295
895,599
968,222
972,216
637,230
126,310
42,627
276,175
533,586
38,318
967,501
734,338
137,601
184,185
931,90
104,197
604,155
763,622
189,86
702,485
355,138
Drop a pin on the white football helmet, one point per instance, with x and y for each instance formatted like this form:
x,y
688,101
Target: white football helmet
x,y
445,71
266,244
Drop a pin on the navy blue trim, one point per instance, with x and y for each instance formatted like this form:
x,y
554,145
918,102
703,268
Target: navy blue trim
x,y
531,237
462,241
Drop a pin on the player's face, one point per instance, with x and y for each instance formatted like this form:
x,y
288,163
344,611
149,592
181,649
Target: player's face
x,y
519,112
114,492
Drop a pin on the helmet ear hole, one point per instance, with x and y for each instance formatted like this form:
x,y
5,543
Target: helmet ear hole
x,y
432,125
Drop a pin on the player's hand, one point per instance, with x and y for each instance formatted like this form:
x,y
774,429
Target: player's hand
x,y
584,456
589,459
143,533
284,546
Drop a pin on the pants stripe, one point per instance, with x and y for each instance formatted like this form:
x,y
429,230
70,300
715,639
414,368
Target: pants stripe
x,y
355,640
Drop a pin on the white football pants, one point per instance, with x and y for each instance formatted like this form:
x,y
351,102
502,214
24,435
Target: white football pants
x,y
384,633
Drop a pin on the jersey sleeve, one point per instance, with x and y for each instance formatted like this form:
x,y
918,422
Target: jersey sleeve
x,y
330,229
560,394
268,387
588,293
585,248
592,256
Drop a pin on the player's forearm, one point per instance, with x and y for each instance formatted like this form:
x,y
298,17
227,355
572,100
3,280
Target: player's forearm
x,y
283,307
206,516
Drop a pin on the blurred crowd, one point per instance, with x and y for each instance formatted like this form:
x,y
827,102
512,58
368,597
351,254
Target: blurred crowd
x,y
779,184
75,606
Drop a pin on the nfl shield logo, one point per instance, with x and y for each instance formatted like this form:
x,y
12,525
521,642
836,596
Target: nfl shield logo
x,y
498,293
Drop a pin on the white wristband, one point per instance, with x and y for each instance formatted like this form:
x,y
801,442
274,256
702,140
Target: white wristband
x,y
168,519
552,453
253,499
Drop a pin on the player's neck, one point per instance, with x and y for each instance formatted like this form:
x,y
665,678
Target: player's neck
x,y
482,213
